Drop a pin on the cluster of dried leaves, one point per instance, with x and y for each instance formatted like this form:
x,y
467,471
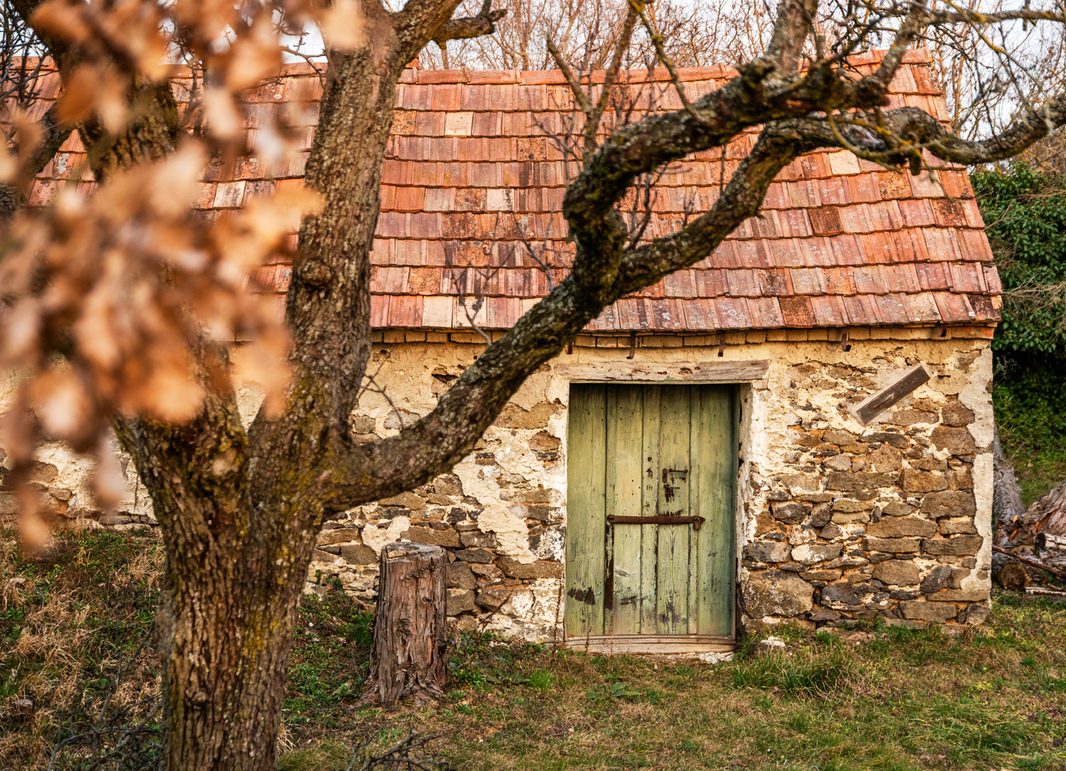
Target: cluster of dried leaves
x,y
106,291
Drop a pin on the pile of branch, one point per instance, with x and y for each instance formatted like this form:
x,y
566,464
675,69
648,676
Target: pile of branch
x,y
1036,539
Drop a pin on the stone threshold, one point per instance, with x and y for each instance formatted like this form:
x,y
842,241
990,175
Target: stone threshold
x,y
655,645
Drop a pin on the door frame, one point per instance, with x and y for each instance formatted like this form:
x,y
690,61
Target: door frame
x,y
739,373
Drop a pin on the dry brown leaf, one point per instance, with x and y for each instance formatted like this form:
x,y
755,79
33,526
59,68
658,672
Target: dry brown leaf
x,y
253,56
34,531
344,25
63,403
61,19
174,183
222,115
111,99
170,392
79,96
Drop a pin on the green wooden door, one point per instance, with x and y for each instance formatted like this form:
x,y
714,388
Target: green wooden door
x,y
664,452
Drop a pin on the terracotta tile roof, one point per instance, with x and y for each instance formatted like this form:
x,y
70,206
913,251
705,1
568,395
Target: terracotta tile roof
x,y
472,190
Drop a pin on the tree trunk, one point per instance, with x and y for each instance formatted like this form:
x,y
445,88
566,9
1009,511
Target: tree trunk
x,y
1007,505
410,634
225,656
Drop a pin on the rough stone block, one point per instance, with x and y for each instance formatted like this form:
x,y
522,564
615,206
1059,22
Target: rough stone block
x,y
474,538
820,515
447,538
459,576
956,526
492,597
958,545
406,500
488,574
838,463
542,441
911,417
339,535
448,484
897,509
831,532
841,595
475,555
850,507
791,513
900,527
959,595
539,495
950,503
960,479
942,577
975,614
937,612
772,593
842,438
514,416
813,553
821,576
460,601
899,441
358,554
767,551
957,441
852,481
893,545
956,414
523,570
850,517
764,523
896,573
884,459
916,481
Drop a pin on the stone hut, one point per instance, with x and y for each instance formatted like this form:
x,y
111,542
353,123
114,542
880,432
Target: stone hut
x,y
803,420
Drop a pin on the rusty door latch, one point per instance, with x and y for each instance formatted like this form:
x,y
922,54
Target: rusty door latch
x,y
696,522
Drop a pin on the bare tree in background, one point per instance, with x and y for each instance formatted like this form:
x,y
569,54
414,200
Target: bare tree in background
x,y
118,303
696,34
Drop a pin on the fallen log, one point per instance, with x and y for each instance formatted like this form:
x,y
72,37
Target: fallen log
x,y
1051,542
1032,562
1043,591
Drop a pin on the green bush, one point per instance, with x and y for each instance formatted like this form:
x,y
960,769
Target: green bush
x,y
1025,217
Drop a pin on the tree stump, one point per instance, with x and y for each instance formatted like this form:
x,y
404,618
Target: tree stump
x,y
409,655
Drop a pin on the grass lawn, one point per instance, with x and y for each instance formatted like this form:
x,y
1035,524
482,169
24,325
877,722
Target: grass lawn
x,y
872,698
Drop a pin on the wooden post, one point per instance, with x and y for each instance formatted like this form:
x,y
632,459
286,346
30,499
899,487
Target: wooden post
x,y
409,656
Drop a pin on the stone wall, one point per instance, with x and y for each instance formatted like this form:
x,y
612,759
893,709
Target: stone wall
x,y
889,521
836,522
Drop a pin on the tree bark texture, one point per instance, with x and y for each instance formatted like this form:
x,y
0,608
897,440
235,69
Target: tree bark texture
x,y
409,656
1007,506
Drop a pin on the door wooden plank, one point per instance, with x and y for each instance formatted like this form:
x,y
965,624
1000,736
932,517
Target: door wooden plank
x,y
624,448
697,538
673,499
586,516
718,460
649,551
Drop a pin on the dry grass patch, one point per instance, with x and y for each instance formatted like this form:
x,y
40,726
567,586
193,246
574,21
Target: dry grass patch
x,y
75,648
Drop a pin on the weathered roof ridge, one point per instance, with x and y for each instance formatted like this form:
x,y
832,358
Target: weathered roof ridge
x,y
555,77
